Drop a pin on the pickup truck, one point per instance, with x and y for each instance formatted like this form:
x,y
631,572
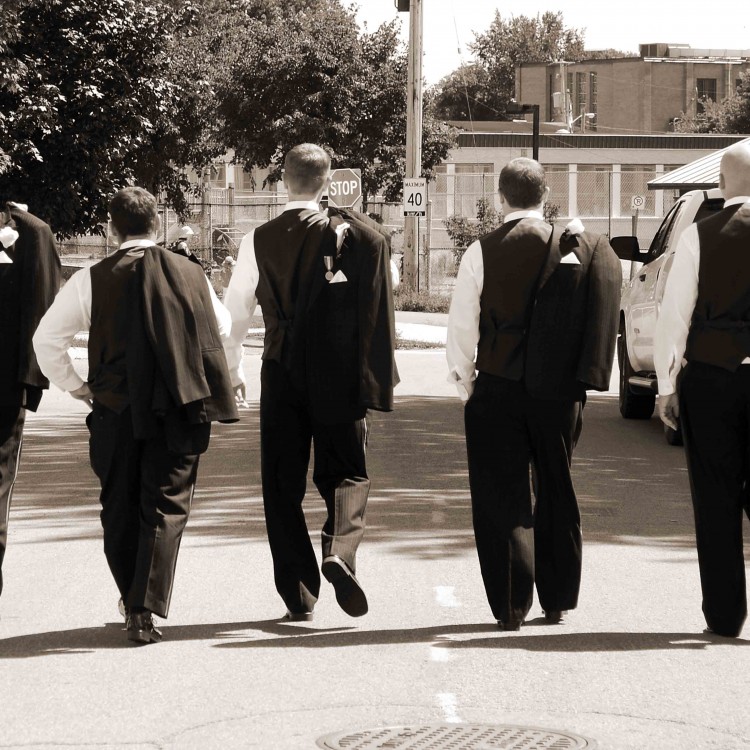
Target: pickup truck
x,y
641,300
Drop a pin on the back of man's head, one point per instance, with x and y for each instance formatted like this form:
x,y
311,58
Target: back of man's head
x,y
306,169
133,212
523,183
734,173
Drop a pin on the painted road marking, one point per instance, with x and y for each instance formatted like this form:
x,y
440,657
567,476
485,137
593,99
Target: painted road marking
x,y
445,597
448,703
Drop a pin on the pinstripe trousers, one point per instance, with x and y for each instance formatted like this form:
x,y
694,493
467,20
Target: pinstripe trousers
x,y
11,436
287,432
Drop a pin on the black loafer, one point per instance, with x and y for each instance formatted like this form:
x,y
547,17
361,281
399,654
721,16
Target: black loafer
x,y
141,628
509,624
349,593
554,616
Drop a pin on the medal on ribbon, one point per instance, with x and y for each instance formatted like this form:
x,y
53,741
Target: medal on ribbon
x,y
328,261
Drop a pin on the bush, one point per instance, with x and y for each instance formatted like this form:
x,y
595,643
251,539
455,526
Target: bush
x,y
409,301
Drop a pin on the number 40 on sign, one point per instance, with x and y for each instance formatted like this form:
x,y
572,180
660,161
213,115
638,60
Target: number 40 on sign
x,y
415,196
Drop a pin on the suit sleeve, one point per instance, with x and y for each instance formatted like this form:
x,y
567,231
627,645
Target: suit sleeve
x,y
41,282
377,327
602,315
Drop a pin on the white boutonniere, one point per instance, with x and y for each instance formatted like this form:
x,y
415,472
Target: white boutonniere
x,y
340,234
8,235
573,227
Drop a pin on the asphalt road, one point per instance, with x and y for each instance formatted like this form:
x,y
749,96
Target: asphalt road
x,y
630,668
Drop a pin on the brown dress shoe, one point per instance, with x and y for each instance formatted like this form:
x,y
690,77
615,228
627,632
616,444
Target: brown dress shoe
x,y
141,628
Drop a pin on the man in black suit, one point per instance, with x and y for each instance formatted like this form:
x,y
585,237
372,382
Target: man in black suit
x,y
157,379
539,307
705,320
324,288
29,280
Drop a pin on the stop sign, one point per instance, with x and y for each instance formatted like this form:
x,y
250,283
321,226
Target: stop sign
x,y
346,187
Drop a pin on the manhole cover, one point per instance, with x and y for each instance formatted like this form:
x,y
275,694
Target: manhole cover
x,y
455,737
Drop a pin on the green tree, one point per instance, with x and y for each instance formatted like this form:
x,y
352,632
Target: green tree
x,y
506,44
90,105
302,72
732,115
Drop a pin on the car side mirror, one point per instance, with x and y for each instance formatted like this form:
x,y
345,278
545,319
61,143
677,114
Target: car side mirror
x,y
626,248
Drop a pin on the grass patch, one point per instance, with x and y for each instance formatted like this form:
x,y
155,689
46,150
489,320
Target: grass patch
x,y
409,344
410,301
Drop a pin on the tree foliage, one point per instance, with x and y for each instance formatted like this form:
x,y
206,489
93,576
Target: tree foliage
x,y
732,115
91,106
489,83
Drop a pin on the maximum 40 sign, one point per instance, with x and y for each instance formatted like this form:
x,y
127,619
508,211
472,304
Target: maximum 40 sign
x,y
415,196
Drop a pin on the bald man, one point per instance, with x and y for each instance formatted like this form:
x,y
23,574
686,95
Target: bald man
x,y
702,352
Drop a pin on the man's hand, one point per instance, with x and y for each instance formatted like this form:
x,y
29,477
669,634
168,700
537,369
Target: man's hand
x,y
83,394
239,396
669,410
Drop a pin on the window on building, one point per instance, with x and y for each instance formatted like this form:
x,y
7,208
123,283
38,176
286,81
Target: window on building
x,y
593,100
571,91
593,190
705,89
217,175
244,179
558,181
634,179
580,94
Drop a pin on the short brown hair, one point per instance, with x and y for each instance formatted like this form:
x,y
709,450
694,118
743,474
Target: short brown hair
x,y
133,211
522,182
306,168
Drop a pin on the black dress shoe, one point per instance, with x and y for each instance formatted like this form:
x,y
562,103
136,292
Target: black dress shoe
x,y
509,624
304,616
349,593
554,616
141,628
722,633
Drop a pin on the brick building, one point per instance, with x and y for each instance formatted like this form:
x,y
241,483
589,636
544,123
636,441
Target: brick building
x,y
644,94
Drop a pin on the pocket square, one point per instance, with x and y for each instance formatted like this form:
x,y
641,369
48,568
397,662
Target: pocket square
x,y
338,278
571,259
4,257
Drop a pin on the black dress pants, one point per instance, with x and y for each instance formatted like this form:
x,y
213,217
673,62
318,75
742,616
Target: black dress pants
x,y
715,418
507,432
287,430
146,496
12,419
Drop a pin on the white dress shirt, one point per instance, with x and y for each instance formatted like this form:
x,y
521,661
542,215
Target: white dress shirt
x,y
463,318
240,298
676,312
71,313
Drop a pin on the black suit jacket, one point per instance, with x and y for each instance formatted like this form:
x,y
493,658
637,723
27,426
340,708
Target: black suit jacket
x,y
573,330
27,287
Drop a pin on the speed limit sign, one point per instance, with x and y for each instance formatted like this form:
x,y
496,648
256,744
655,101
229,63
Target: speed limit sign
x,y
637,202
415,196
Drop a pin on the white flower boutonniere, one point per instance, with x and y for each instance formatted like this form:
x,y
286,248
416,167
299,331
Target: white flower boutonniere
x,y
8,236
573,227
340,234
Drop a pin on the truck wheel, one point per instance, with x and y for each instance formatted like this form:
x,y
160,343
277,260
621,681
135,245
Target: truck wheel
x,y
632,405
673,437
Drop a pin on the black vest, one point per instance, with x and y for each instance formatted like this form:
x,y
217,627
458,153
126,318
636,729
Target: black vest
x,y
110,286
289,254
720,328
514,256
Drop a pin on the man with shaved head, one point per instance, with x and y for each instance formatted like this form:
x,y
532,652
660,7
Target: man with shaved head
x,y
702,352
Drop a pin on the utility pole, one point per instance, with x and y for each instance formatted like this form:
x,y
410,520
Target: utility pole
x,y
413,135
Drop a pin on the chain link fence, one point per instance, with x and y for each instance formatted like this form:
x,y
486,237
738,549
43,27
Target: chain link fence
x,y
601,196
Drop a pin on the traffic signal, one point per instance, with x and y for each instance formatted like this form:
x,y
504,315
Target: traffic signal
x,y
402,5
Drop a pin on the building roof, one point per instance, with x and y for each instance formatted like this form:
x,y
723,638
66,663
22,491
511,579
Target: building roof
x,y
701,174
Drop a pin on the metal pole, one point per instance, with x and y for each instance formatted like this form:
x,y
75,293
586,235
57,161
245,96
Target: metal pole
x,y
427,243
413,138
535,136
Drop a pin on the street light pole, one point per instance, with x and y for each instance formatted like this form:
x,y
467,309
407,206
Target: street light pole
x,y
413,137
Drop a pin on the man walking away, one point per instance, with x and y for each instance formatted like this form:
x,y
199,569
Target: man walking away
x,y
705,320
324,288
29,281
540,309
157,379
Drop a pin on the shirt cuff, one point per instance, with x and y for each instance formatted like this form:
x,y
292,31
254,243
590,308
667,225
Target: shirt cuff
x,y
665,387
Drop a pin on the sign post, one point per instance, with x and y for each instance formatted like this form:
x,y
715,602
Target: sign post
x,y
637,202
346,187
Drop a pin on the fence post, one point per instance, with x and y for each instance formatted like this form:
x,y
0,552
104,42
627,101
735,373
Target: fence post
x,y
230,222
426,245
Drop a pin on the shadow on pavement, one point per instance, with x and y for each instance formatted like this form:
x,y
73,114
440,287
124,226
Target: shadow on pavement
x,y
112,636
631,485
